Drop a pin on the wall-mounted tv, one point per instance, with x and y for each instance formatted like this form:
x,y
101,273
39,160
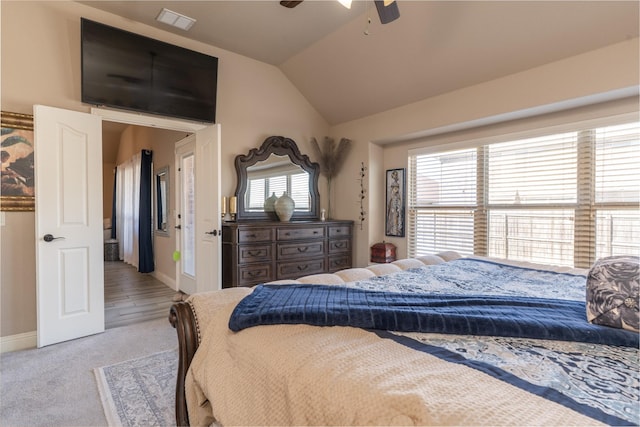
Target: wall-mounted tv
x,y
124,70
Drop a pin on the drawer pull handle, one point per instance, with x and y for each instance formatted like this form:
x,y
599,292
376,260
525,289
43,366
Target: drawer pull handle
x,y
303,267
254,253
339,245
315,231
253,273
302,250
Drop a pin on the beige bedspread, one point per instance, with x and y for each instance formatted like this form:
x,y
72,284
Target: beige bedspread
x,y
306,375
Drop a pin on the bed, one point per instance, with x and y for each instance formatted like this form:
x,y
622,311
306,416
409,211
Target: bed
x,y
329,364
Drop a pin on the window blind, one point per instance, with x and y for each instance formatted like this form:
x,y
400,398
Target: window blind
x,y
300,191
296,185
257,190
617,164
533,171
277,185
617,190
442,200
536,172
560,198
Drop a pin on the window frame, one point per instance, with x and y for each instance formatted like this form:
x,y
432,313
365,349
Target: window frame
x,y
585,207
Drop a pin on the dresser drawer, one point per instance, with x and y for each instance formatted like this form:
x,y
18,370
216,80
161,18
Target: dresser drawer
x,y
309,249
255,235
255,253
339,262
293,270
254,274
339,230
339,245
299,233
260,252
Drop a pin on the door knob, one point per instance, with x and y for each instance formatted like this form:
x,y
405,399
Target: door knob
x,y
214,232
178,227
50,238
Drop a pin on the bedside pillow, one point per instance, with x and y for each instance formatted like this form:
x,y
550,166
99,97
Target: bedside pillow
x,y
613,286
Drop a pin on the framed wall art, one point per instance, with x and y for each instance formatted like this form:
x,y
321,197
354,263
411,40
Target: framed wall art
x,y
17,191
395,209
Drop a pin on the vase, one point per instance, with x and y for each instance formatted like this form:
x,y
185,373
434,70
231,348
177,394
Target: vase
x,y
270,202
284,207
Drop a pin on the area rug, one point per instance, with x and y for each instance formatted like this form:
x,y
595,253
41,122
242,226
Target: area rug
x,y
140,392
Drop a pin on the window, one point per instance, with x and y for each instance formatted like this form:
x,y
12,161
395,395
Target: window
x,y
565,198
296,185
617,190
299,191
444,186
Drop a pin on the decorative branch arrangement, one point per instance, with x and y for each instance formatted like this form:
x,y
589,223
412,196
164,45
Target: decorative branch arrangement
x,y
363,192
332,157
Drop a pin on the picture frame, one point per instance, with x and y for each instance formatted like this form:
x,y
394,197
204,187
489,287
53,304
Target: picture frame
x,y
395,203
17,181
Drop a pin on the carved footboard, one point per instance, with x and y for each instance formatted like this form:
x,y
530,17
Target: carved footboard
x,y
182,318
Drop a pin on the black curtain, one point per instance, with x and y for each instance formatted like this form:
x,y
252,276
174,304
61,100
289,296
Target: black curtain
x,y
145,254
113,204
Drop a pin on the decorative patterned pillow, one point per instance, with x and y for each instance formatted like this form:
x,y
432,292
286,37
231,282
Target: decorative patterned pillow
x,y
613,288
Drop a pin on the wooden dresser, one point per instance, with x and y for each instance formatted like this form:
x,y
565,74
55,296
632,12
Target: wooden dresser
x,y
258,252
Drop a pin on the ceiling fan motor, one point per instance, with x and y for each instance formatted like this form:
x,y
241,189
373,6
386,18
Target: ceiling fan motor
x,y
387,10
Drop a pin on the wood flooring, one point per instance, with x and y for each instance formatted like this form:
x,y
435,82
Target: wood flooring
x,y
132,297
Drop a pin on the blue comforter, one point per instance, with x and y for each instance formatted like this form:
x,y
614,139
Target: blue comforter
x,y
506,316
469,297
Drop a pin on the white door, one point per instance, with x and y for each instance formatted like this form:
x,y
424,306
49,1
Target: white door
x,y
198,220
186,215
208,219
69,244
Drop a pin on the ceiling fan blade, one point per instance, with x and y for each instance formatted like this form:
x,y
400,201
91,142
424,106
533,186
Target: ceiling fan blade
x,y
388,13
290,4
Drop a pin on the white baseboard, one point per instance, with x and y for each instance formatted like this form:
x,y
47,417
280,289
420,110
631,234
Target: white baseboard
x,y
18,342
30,339
165,279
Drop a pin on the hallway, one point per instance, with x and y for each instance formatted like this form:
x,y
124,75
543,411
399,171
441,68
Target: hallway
x,y
132,297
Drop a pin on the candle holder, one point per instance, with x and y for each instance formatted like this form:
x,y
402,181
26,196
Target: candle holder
x,y
223,210
233,207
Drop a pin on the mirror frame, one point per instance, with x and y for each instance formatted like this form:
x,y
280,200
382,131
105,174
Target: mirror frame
x,y
163,171
279,146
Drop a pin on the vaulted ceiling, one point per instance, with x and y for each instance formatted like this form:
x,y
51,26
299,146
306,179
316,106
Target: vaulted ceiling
x,y
349,66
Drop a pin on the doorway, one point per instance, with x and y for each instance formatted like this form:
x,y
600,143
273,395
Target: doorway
x,y
131,296
161,286
73,244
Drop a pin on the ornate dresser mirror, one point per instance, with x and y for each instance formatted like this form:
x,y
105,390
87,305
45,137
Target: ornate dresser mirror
x,y
258,247
265,173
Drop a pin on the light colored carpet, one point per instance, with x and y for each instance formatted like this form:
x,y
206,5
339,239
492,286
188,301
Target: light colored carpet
x,y
56,385
140,392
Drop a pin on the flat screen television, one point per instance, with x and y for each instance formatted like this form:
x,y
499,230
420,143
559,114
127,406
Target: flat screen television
x,y
124,70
